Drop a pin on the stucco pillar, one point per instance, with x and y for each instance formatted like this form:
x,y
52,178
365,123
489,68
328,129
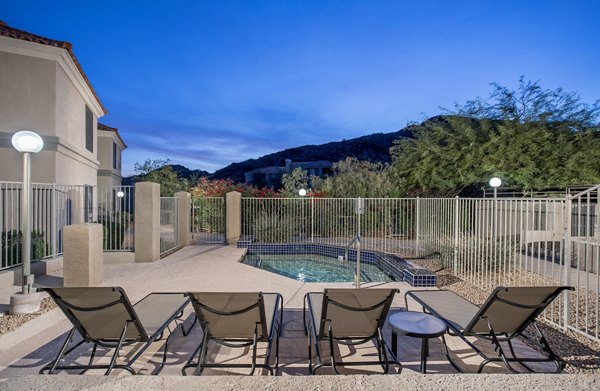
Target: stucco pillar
x,y
233,220
147,222
184,232
82,255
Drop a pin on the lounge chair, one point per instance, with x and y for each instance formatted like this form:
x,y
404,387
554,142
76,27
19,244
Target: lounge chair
x,y
237,319
350,317
105,317
505,314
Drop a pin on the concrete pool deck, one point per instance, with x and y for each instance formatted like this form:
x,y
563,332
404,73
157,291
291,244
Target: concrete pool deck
x,y
216,268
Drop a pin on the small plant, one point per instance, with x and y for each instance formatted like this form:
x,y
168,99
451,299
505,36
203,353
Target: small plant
x,y
12,242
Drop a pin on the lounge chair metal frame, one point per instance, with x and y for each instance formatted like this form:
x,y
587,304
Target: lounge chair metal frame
x,y
260,328
316,335
117,343
497,338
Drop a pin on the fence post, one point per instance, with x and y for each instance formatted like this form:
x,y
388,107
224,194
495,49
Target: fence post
x,y
312,219
233,217
147,222
184,211
456,233
54,215
417,230
567,259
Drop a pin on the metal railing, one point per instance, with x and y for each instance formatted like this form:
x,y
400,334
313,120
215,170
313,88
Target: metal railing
x,y
208,219
56,206
354,242
385,225
169,216
485,242
115,213
582,256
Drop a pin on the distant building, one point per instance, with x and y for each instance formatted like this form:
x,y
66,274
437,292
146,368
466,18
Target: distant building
x,y
271,176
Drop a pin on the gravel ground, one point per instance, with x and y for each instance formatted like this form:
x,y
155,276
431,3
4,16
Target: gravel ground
x,y
11,322
581,353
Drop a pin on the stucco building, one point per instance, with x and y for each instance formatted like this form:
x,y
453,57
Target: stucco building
x,y
44,88
110,147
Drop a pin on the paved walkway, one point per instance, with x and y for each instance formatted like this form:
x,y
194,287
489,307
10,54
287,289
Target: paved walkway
x,y
216,268
404,382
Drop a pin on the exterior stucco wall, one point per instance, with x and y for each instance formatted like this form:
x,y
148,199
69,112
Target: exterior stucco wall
x,y
27,94
11,164
39,94
108,181
71,171
105,157
70,115
105,151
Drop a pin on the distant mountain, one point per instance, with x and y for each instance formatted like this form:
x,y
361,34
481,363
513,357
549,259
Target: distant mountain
x,y
374,148
181,171
184,172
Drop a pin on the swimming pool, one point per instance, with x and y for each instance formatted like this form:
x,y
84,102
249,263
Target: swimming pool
x,y
314,268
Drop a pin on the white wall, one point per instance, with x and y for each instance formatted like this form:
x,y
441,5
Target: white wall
x,y
27,94
39,94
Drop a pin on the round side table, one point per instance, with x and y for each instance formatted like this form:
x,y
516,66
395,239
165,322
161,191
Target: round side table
x,y
417,325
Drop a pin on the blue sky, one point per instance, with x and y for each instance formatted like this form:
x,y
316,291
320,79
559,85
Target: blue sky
x,y
208,83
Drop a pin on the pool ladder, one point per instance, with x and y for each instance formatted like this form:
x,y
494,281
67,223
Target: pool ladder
x,y
357,273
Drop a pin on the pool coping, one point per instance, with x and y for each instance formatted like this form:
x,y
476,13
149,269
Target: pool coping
x,y
396,268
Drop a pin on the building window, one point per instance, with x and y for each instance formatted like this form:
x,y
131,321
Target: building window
x,y
115,157
89,129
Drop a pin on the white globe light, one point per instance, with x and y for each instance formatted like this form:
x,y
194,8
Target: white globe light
x,y
495,182
120,194
302,192
27,141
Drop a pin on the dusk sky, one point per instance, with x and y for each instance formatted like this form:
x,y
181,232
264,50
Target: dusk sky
x,y
206,84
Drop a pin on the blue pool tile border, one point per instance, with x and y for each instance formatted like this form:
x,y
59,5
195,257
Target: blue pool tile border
x,y
395,267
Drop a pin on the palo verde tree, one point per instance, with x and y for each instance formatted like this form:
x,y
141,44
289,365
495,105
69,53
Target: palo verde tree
x,y
293,182
357,178
532,138
160,171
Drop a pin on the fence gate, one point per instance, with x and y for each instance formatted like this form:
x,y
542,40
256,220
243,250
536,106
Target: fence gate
x,y
208,219
582,260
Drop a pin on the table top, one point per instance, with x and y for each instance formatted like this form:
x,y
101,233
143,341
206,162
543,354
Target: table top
x,y
417,324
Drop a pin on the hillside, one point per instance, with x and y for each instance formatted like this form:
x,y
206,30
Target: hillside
x,y
374,148
181,171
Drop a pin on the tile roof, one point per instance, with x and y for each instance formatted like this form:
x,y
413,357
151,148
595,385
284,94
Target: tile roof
x,y
111,129
11,32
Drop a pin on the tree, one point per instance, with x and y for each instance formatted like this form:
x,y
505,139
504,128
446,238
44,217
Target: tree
x,y
293,182
355,178
160,171
530,103
532,138
219,187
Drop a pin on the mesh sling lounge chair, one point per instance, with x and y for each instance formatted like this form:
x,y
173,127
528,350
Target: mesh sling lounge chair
x,y
237,319
505,314
350,317
105,317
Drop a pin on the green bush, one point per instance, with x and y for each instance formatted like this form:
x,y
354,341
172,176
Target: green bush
x,y
113,234
12,242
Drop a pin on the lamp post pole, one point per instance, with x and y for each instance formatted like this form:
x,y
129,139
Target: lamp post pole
x,y
495,182
26,142
302,192
26,224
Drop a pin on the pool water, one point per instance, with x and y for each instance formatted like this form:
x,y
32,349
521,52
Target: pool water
x,y
314,268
